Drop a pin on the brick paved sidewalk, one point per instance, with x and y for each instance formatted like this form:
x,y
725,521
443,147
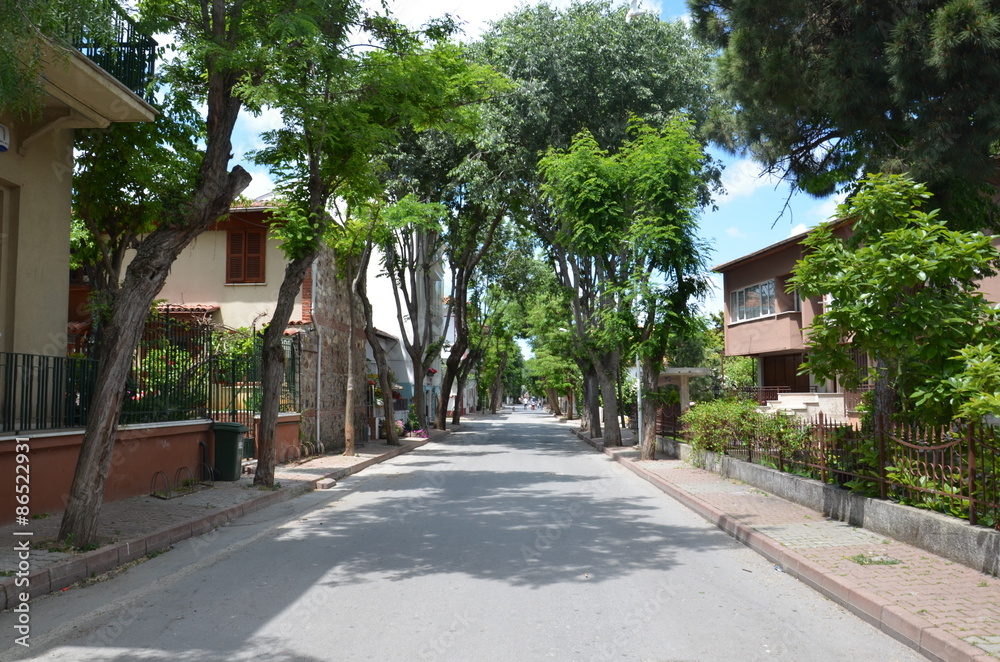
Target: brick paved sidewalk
x,y
131,528
942,609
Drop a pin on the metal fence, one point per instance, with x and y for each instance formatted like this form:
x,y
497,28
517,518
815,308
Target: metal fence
x,y
668,421
759,394
235,389
171,372
44,392
175,376
954,470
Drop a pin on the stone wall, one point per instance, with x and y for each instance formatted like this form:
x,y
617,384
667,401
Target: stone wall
x,y
328,336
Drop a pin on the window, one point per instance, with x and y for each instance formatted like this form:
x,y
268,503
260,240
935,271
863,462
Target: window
x,y
245,256
752,302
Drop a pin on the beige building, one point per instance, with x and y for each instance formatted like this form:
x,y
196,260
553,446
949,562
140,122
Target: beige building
x,y
233,272
35,195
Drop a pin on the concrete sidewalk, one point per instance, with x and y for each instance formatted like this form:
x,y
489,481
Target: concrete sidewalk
x,y
130,529
944,610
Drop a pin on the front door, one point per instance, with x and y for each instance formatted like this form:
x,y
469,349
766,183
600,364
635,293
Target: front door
x,y
783,371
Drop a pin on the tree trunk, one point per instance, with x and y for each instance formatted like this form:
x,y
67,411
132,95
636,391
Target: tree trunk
x,y
461,382
496,394
496,389
648,385
381,363
350,432
452,366
419,397
592,406
612,432
143,280
550,393
274,367
570,395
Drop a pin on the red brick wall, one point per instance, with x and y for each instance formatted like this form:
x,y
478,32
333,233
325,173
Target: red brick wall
x,y
140,451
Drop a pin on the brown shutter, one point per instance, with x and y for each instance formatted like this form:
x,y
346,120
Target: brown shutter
x,y
235,252
254,261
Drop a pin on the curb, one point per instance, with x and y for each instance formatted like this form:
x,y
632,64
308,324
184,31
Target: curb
x,y
65,573
931,642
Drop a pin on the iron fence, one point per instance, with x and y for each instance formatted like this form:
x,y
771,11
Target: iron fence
x,y
175,376
668,421
44,392
171,371
954,470
236,389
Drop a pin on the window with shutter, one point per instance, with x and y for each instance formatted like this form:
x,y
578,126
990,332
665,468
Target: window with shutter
x,y
245,256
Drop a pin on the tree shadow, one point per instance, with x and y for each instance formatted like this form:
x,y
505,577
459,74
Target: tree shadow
x,y
436,513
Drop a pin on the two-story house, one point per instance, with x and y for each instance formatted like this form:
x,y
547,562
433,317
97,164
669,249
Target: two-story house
x,y
766,321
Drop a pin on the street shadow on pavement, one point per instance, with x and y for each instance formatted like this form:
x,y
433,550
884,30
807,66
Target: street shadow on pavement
x,y
428,515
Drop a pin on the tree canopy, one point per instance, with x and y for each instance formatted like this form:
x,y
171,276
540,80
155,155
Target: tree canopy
x,y
828,90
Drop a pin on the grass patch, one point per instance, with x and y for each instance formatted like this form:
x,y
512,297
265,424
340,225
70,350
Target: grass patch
x,y
862,559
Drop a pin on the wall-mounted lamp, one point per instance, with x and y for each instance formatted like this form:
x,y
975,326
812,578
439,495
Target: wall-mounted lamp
x,y
4,138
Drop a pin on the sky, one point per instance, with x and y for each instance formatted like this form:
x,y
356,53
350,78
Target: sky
x,y
750,216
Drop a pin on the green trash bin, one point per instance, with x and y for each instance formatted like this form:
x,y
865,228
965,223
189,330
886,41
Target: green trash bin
x,y
229,449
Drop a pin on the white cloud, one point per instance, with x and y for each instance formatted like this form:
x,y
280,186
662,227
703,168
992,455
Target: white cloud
x,y
798,229
248,130
735,232
743,178
261,184
825,209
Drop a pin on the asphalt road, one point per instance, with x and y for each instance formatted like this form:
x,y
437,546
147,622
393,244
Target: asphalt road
x,y
508,541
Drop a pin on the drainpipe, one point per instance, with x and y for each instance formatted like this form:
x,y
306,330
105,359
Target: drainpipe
x,y
638,396
319,341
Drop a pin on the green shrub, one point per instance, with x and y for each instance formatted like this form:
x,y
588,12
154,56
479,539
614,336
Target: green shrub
x,y
714,424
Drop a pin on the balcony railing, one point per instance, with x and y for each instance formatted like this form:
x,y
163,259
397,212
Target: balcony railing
x,y
125,53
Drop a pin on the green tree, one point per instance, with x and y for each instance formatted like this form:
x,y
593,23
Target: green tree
x,y
903,290
629,230
222,46
411,258
549,321
585,68
128,179
830,89
339,107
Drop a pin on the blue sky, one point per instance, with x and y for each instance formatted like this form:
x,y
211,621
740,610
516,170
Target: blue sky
x,y
749,217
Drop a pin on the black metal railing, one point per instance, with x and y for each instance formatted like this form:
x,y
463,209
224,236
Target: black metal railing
x,y
44,392
235,390
761,394
122,51
668,421
175,376
171,372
